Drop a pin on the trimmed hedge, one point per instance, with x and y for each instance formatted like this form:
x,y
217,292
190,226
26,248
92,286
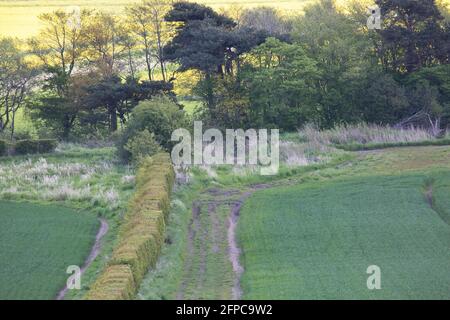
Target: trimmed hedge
x,y
141,235
116,283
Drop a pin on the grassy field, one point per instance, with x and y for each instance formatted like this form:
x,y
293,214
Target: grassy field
x,y
20,18
37,244
315,240
85,179
312,231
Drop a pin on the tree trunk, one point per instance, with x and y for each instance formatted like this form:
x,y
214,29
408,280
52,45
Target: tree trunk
x,y
66,129
209,91
113,119
130,61
13,125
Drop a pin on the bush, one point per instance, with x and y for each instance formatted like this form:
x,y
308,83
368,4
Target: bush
x,y
47,145
3,148
23,147
142,233
160,116
142,145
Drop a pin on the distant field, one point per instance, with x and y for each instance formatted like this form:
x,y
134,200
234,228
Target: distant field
x,y
316,240
37,244
20,18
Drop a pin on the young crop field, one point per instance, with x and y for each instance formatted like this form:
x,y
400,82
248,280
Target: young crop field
x,y
37,245
50,207
20,18
313,232
316,240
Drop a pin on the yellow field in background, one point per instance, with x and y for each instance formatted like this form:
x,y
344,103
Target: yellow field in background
x,y
19,18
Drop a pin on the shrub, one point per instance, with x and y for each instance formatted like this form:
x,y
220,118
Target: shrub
x,y
142,233
23,135
47,145
160,116
142,145
23,147
3,148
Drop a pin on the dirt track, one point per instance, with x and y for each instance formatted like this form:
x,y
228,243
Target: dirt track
x,y
212,268
92,255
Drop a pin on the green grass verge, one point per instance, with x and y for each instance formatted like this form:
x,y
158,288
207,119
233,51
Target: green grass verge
x,y
316,241
37,244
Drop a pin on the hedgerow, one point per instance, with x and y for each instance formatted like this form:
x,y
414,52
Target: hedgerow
x,y
142,232
115,283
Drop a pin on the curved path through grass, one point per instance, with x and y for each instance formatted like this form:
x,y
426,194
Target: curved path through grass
x,y
37,244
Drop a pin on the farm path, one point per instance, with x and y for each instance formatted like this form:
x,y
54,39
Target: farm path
x,y
212,269
92,255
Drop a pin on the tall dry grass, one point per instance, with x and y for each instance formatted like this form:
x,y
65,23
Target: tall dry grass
x,y
364,134
43,179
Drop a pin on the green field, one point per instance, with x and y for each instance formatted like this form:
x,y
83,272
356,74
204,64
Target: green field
x,y
20,18
316,240
37,244
85,179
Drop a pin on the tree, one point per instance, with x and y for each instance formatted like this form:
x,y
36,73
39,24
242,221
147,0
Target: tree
x,y
381,99
413,35
201,39
59,44
54,113
282,84
146,20
104,42
59,47
160,116
208,42
266,19
429,95
129,43
234,11
344,55
112,98
16,81
187,12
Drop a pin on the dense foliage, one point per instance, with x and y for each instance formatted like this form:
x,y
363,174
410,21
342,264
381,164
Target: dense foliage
x,y
330,69
159,116
250,68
